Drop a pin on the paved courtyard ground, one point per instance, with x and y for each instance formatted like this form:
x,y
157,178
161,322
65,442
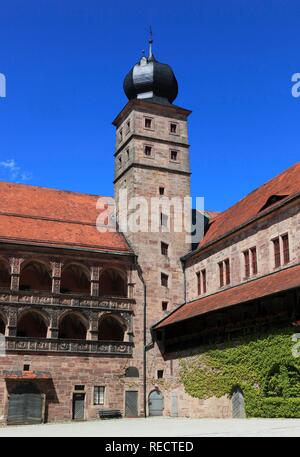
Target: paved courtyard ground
x,y
161,427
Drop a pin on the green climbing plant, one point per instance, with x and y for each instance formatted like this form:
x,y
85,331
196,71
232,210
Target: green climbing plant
x,y
262,365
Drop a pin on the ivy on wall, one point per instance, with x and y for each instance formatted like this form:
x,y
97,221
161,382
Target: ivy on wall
x,y
262,365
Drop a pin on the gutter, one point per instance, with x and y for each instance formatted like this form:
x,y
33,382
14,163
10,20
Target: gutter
x,y
57,246
145,347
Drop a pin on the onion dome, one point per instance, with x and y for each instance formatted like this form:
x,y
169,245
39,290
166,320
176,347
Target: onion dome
x,y
152,80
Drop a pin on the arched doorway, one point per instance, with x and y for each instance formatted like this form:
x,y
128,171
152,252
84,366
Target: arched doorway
x,y
156,403
25,405
35,276
110,329
71,326
32,325
238,404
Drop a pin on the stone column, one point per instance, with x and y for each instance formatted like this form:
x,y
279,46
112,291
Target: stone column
x,y
15,270
12,322
93,330
130,285
56,277
95,281
53,330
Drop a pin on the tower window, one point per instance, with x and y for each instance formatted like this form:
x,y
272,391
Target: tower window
x,y
164,279
173,128
164,306
148,151
121,135
174,155
120,161
161,191
164,248
128,153
128,126
160,374
148,123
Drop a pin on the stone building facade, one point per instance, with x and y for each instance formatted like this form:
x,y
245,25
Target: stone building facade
x,y
97,319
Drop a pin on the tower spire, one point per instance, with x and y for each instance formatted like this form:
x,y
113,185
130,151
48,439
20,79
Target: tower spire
x,y
150,44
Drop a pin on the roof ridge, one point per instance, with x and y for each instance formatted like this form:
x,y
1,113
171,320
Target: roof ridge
x,y
297,164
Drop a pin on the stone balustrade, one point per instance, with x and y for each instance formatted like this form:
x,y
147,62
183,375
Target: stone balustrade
x,y
49,345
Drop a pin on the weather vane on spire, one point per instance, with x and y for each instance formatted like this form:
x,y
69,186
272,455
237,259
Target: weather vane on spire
x,y
150,43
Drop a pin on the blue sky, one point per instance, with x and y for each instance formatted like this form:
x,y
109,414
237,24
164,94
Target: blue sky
x,y
65,60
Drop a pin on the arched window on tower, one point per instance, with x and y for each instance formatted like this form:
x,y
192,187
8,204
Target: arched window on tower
x,y
75,279
72,326
32,325
113,283
4,275
35,276
110,329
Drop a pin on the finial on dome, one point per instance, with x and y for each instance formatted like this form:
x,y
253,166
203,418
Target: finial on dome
x,y
150,44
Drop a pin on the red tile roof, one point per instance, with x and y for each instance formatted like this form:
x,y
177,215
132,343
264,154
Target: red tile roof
x,y
288,278
286,184
53,217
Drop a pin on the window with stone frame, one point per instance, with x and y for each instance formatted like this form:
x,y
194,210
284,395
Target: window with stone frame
x,y
201,282
99,395
254,260
160,374
285,248
250,262
148,150
164,306
148,123
174,155
277,258
164,248
164,279
221,274
224,272
227,271
173,128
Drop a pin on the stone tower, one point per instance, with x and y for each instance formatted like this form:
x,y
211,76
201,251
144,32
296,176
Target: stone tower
x,y
152,162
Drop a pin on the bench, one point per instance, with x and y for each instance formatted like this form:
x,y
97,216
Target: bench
x,y
110,414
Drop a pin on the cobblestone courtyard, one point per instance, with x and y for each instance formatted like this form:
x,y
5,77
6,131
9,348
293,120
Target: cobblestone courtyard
x,y
161,427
